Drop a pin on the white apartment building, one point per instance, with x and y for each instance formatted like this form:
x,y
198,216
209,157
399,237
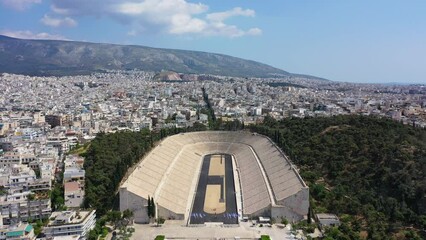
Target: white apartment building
x,y
74,174
73,194
74,180
70,223
23,195
11,158
59,142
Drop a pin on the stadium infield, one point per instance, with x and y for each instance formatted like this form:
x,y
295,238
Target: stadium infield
x,y
215,197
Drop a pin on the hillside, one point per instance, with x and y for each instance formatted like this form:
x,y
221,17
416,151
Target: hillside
x,y
54,57
369,171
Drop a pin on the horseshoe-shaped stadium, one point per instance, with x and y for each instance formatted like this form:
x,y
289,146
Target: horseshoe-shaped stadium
x,y
216,176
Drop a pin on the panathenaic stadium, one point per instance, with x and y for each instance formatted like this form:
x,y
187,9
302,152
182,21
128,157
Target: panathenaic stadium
x,y
216,176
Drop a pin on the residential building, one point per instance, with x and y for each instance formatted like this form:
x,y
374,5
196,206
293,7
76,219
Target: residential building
x,y
23,195
18,231
73,194
70,223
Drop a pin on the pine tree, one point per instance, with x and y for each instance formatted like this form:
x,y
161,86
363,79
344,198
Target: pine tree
x,y
149,207
309,215
152,208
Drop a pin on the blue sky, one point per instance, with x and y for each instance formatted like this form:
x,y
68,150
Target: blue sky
x,y
341,40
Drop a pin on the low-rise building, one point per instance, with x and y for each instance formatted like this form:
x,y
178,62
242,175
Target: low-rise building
x,y
70,223
74,178
327,220
73,194
23,195
17,232
74,174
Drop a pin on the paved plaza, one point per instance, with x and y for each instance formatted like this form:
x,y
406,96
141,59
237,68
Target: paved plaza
x,y
174,230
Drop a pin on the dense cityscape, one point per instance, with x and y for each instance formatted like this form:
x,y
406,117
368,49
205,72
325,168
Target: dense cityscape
x,y
43,118
212,120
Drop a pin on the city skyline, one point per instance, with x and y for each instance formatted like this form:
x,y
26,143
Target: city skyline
x,y
353,41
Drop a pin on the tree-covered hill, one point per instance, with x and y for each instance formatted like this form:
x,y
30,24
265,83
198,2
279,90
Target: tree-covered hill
x,y
106,162
369,171
109,157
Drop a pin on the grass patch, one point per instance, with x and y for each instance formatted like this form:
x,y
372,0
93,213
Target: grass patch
x,y
80,149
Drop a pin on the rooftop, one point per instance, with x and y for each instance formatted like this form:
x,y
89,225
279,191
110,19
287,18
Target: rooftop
x,y
327,216
71,186
68,217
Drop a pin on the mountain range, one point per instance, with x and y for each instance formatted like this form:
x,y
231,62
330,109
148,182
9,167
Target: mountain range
x,y
58,58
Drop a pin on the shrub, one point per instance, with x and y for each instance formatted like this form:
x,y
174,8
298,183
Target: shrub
x,y
284,221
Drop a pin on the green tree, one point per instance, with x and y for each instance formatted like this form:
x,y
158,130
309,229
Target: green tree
x,y
152,208
149,208
57,197
114,217
127,214
368,167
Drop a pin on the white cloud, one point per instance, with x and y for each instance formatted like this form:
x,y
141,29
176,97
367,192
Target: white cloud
x,y
58,22
222,16
132,33
181,24
58,10
30,35
176,17
160,7
254,31
219,27
20,5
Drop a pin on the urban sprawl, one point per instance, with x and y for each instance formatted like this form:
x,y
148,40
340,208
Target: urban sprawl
x,y
43,118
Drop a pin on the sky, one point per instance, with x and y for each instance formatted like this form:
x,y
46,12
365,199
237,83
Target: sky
x,y
352,40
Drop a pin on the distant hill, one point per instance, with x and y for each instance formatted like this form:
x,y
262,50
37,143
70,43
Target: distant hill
x,y
54,57
167,76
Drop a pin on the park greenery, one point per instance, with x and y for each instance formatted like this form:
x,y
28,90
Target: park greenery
x,y
107,160
79,149
369,171
57,194
265,237
119,222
